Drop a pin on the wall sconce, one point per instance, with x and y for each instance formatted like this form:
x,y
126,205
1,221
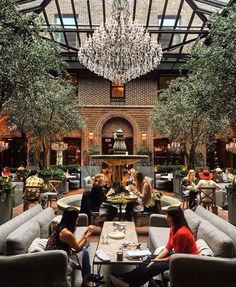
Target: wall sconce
x,y
144,136
91,136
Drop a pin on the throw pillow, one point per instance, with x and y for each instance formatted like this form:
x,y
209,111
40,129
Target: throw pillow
x,y
158,250
38,245
203,248
56,220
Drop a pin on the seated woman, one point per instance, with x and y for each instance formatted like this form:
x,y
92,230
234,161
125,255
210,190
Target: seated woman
x,y
63,238
181,240
6,172
188,185
97,198
143,190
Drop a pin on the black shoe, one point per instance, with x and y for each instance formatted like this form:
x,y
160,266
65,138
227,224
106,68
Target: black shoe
x,y
97,277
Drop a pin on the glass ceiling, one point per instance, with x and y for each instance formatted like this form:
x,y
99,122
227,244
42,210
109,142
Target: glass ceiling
x,y
176,24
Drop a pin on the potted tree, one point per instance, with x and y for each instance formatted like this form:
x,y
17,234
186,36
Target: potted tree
x,y
7,193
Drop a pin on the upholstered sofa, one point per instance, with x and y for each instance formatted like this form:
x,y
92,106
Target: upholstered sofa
x,y
220,236
16,237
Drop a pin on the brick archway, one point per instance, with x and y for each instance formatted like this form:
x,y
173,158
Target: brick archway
x,y
130,120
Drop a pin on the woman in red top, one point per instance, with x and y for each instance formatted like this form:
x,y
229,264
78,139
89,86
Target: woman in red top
x,y
181,240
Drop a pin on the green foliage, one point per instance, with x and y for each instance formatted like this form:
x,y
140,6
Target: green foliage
x,y
6,187
72,168
33,91
164,169
231,188
94,149
25,58
52,173
213,63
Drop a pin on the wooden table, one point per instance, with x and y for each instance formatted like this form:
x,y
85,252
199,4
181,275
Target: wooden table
x,y
115,245
121,199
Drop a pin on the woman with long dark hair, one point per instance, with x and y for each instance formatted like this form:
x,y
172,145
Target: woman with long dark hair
x,y
63,238
181,240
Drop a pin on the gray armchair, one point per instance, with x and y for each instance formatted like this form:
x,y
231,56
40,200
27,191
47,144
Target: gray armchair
x,y
202,271
42,269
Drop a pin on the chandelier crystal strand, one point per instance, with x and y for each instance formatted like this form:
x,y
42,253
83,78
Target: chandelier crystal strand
x,y
3,145
121,50
175,147
59,146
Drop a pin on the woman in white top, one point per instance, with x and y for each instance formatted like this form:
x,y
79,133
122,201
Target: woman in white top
x,y
206,181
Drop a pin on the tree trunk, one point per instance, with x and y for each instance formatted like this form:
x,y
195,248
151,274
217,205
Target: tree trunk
x,y
23,146
46,153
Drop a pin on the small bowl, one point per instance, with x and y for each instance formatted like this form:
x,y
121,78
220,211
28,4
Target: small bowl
x,y
132,246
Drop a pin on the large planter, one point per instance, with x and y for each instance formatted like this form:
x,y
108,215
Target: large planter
x,y
177,186
231,197
88,170
6,207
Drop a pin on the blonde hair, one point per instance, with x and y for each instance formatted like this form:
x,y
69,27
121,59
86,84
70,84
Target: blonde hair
x,y
189,173
97,178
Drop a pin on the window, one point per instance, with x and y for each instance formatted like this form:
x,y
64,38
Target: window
x,y
164,81
69,23
117,92
168,24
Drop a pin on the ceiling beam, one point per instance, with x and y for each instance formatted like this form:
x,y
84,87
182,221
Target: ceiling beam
x,y
176,21
194,7
35,9
214,3
20,2
149,13
47,22
189,25
204,11
104,11
89,14
162,19
61,20
134,9
171,48
151,31
76,22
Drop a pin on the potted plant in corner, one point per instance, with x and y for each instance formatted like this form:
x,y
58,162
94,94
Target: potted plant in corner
x,y
7,193
231,196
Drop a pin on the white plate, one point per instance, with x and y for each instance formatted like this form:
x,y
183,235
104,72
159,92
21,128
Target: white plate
x,y
116,235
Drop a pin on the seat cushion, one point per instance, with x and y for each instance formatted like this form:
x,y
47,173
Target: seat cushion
x,y
193,221
44,219
220,243
11,225
203,248
19,240
220,223
158,236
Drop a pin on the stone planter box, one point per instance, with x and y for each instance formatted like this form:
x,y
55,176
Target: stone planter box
x,y
89,170
231,207
6,208
176,186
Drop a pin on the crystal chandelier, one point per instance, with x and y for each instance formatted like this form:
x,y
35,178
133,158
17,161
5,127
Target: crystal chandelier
x,y
175,147
3,145
231,146
120,50
59,146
